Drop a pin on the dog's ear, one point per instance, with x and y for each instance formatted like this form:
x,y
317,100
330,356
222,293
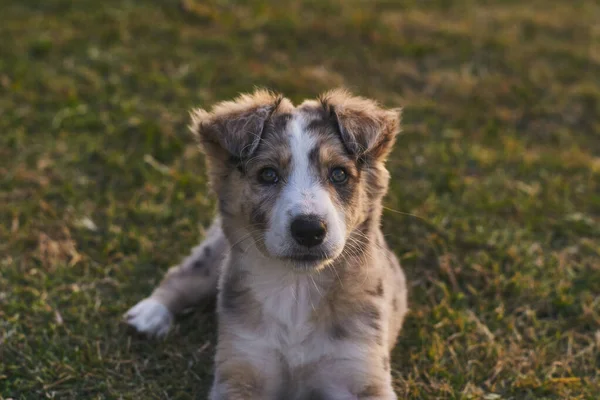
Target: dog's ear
x,y
367,130
233,129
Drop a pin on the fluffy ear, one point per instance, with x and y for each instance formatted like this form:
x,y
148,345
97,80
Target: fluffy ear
x,y
235,126
367,130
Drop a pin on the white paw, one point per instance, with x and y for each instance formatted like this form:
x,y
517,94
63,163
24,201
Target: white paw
x,y
150,317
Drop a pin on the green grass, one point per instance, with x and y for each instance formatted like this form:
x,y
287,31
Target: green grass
x,y
102,189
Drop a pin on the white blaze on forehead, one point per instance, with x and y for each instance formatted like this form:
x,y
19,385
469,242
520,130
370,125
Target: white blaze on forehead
x,y
302,182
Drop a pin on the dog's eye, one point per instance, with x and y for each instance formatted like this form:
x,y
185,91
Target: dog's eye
x,y
338,175
268,176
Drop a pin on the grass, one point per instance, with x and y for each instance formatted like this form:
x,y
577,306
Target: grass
x,y
102,189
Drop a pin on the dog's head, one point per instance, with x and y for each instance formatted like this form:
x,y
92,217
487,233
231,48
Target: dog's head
x,y
297,182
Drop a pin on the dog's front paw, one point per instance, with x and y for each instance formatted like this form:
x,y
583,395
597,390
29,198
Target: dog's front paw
x,y
150,317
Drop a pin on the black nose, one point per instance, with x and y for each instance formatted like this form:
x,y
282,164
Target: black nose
x,y
309,230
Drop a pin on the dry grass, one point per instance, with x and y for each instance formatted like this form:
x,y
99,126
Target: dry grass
x,y
101,188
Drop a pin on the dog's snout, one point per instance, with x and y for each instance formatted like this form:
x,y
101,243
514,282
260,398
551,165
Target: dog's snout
x,y
309,230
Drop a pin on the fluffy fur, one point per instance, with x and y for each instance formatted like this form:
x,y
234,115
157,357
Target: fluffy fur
x,y
296,320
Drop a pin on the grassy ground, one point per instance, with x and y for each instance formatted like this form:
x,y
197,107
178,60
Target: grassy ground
x,y
101,187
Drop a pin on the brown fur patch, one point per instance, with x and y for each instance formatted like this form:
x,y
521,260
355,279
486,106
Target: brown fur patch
x,y
372,390
378,291
367,130
233,130
235,126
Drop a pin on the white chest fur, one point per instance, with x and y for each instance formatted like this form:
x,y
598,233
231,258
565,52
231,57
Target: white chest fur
x,y
289,302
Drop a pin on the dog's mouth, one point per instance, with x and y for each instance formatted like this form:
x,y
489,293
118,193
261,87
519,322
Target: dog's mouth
x,y
307,258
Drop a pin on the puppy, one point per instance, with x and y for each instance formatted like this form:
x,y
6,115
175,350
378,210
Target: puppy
x,y
310,297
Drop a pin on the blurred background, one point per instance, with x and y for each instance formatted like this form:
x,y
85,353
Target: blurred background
x,y
102,188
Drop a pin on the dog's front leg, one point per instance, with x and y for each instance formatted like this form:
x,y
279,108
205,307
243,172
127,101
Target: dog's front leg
x,y
246,365
375,392
247,373
360,378
344,392
239,381
183,286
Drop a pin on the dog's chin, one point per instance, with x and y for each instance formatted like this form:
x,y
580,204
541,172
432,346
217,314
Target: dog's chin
x,y
308,263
